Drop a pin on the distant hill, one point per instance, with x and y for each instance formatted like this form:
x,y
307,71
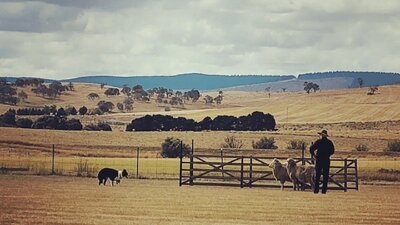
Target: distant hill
x,y
369,78
296,85
206,82
182,81
13,79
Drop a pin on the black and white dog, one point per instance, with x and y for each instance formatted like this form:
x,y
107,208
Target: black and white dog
x,y
112,174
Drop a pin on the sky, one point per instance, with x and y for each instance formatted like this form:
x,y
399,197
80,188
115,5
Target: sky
x,y
65,39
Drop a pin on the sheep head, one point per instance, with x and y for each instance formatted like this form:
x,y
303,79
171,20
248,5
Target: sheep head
x,y
275,162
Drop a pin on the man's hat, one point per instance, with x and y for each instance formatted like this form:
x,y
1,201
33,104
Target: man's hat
x,y
323,132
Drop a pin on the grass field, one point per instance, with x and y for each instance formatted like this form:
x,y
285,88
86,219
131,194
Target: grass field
x,y
72,200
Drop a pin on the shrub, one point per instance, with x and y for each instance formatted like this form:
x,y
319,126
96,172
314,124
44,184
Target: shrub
x,y
265,143
297,144
98,127
361,148
171,148
232,142
83,110
95,111
71,111
24,123
8,118
393,146
72,124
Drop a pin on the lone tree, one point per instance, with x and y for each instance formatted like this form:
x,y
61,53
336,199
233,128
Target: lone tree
x,y
105,106
22,95
372,90
128,103
112,91
308,86
92,96
208,100
218,99
120,106
360,82
83,110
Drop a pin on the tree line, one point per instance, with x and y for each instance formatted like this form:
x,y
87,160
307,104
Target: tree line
x,y
57,121
256,121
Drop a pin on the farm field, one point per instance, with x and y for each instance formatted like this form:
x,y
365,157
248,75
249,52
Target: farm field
x,y
72,200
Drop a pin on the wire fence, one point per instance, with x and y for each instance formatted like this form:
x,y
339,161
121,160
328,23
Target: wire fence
x,y
138,166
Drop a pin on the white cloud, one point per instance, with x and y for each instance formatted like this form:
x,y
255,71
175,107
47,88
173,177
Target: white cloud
x,y
60,39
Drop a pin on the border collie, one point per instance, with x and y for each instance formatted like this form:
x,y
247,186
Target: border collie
x,y
112,174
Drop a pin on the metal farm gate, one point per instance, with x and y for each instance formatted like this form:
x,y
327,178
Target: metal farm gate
x,y
254,171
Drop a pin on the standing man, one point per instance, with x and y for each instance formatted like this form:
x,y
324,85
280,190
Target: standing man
x,y
321,150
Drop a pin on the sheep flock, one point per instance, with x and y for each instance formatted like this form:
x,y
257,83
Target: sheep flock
x,y
301,176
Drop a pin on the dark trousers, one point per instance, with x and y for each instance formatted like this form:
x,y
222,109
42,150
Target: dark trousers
x,y
322,167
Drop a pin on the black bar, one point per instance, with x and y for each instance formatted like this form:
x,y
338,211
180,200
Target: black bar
x,y
137,162
303,148
180,166
241,174
251,172
345,175
52,162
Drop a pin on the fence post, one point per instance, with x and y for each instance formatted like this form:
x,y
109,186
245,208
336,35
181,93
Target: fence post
x,y
345,175
52,162
356,172
191,164
303,148
251,172
180,166
222,164
137,162
241,173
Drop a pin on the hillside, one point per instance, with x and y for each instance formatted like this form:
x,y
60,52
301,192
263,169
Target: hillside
x,y
369,78
296,85
344,105
181,81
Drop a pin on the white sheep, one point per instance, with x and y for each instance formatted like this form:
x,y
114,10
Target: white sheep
x,y
279,171
295,173
301,175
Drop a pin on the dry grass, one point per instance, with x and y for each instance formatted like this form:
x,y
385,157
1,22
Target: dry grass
x,y
348,105
71,200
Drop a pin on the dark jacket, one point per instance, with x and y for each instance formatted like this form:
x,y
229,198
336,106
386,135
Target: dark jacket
x,y
324,147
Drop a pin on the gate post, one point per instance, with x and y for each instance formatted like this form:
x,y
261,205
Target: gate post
x,y
137,162
345,175
356,171
191,164
180,166
241,174
52,161
251,172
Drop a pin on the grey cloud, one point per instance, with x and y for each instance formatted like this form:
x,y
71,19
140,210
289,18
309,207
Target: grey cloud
x,y
71,38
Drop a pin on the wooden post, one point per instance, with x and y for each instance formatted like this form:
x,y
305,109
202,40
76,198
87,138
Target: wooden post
x,y
251,171
137,162
345,175
303,148
52,161
191,164
356,172
222,163
241,173
180,166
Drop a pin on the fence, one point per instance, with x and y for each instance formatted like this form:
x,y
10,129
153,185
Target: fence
x,y
253,171
53,160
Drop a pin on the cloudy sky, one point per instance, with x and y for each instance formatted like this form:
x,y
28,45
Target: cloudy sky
x,y
63,39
